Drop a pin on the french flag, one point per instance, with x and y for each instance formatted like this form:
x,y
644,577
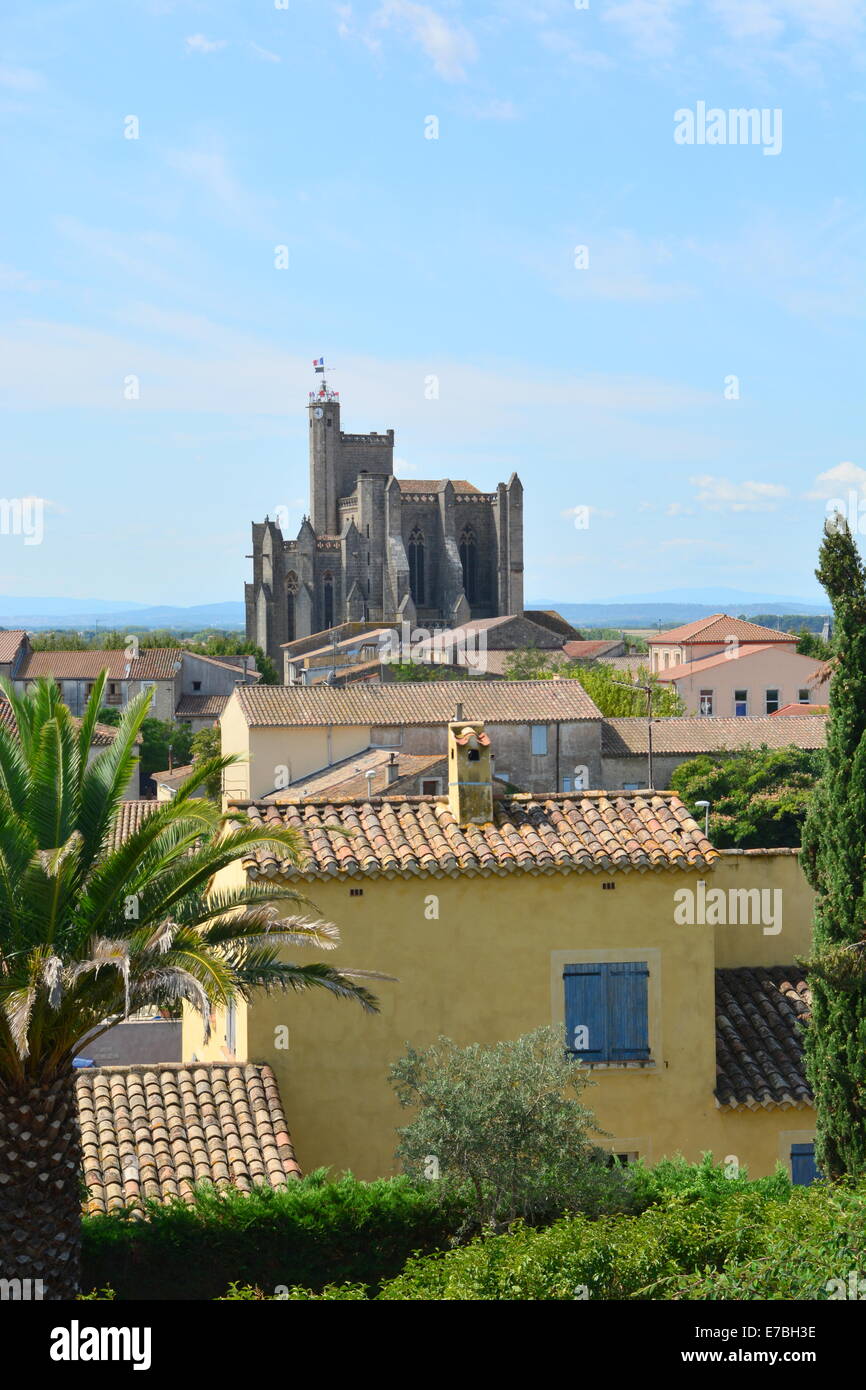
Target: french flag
x,y
319,364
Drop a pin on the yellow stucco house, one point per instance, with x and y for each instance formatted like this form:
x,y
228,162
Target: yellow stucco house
x,y
668,964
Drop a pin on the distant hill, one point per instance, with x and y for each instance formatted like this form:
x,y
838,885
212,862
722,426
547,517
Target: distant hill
x,y
648,612
38,613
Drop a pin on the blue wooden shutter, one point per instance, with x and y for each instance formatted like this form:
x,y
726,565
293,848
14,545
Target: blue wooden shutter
x,y
627,1012
803,1168
586,1007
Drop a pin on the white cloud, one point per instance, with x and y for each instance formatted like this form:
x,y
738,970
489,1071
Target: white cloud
x,y
264,53
21,79
402,469
197,43
449,47
844,476
722,494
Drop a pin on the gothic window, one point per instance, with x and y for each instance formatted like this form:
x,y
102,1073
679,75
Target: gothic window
x,y
416,565
328,595
291,590
469,561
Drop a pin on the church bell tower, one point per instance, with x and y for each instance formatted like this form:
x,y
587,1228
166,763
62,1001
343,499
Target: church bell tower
x,y
324,412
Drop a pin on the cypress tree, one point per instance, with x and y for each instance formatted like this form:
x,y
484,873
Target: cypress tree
x,y
834,861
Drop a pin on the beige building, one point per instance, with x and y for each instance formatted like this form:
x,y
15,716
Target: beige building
x,y
747,680
185,685
544,732
667,964
708,637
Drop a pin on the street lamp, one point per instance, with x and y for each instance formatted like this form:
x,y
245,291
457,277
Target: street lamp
x,y
648,691
705,806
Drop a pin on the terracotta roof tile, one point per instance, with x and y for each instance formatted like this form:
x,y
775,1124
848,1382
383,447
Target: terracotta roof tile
x,y
623,737
590,831
130,815
430,702
155,1130
717,628
201,706
759,1038
10,641
157,663
583,650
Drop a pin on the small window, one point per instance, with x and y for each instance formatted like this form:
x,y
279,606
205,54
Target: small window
x,y
706,702
803,697
632,786
772,701
431,786
606,1011
568,784
196,685
741,702
622,1160
356,892
538,739
231,1026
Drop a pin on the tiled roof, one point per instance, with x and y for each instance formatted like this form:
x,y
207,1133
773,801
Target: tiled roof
x,y
621,738
156,1130
177,774
787,710
409,836
549,618
236,664
580,650
104,735
201,706
434,485
156,664
10,641
718,627
130,816
346,779
430,702
707,663
759,1037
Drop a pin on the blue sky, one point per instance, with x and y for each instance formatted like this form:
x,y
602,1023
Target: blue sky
x,y
604,386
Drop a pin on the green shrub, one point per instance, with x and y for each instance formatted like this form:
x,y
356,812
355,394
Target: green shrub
x,y
501,1129
314,1233
702,1237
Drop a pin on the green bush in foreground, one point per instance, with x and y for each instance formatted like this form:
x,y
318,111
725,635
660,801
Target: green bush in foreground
x,y
314,1233
502,1128
748,1242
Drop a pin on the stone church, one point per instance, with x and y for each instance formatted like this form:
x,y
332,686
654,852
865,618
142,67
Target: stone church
x,y
377,548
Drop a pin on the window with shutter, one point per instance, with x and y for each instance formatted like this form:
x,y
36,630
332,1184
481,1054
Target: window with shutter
x,y
803,1168
606,1011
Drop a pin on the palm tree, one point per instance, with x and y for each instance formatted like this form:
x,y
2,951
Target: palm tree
x,y
91,930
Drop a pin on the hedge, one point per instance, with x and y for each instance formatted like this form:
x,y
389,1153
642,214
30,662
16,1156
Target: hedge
x,y
750,1241
314,1233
